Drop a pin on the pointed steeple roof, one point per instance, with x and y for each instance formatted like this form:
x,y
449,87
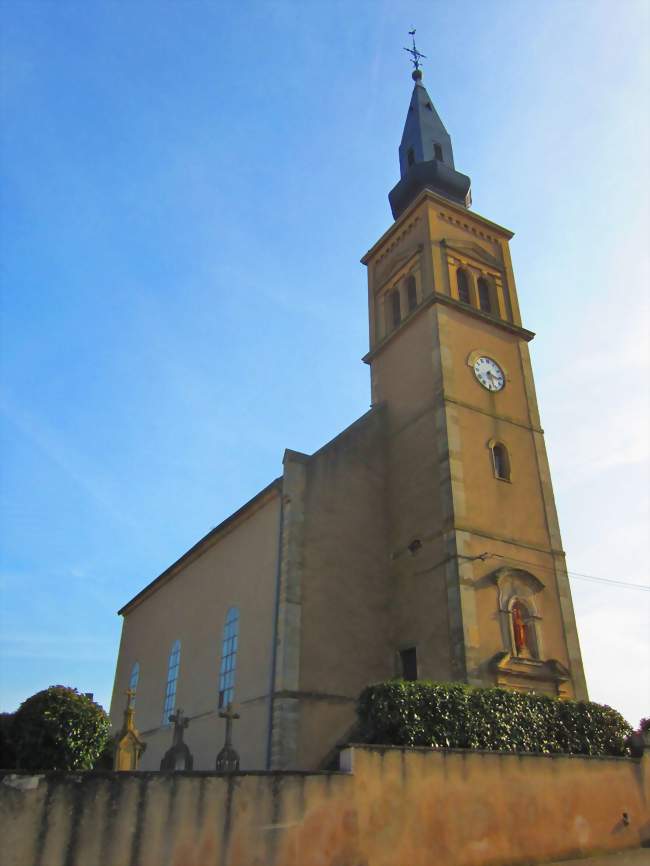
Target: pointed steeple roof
x,y
426,157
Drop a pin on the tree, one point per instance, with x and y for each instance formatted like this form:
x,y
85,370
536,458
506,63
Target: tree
x,y
59,729
7,751
639,740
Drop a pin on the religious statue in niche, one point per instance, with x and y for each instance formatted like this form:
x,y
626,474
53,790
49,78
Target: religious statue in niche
x,y
521,629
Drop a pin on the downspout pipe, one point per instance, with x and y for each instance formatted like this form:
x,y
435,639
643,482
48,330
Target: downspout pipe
x,y
274,647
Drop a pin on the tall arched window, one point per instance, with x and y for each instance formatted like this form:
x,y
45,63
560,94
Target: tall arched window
x,y
500,461
172,678
462,281
133,681
411,292
395,308
437,152
228,658
484,300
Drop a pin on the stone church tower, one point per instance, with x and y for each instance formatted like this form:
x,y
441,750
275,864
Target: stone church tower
x,y
421,542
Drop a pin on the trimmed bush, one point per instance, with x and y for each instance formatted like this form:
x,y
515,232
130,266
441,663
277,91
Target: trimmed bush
x,y
457,716
637,739
7,751
59,729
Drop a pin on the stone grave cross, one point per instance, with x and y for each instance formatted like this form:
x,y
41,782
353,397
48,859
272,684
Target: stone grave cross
x,y
180,723
178,756
128,747
228,759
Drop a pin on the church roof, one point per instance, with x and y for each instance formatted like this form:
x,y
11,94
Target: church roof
x,y
212,536
274,488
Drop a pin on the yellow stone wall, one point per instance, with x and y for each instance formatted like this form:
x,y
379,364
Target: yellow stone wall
x,y
333,629
441,421
396,806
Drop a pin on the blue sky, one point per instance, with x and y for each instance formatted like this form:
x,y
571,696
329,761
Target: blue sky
x,y
187,189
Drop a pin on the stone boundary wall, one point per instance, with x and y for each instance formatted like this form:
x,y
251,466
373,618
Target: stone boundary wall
x,y
391,807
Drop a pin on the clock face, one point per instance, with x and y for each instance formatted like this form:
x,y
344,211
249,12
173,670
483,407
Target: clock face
x,y
489,374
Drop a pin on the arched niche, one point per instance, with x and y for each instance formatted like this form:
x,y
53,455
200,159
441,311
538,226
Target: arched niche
x,y
518,590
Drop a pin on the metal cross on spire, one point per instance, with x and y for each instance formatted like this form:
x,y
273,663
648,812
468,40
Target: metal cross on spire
x,y
415,54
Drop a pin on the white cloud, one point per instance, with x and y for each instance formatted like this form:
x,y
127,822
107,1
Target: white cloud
x,y
613,625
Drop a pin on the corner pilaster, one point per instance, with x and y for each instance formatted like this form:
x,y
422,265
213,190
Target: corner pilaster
x,y
461,601
285,715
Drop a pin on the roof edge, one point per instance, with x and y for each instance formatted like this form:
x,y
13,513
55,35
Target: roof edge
x,y
220,529
375,409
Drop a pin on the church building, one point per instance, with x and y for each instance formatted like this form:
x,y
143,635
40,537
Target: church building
x,y
422,542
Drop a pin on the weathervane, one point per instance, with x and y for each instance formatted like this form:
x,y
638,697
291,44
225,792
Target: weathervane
x,y
415,54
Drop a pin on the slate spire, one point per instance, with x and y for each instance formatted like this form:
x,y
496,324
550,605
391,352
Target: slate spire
x,y
426,157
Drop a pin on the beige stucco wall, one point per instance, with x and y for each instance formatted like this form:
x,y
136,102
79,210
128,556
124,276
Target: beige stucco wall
x,y
336,551
236,568
406,379
396,806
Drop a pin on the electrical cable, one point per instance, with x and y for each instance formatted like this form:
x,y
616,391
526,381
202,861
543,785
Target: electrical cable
x,y
576,574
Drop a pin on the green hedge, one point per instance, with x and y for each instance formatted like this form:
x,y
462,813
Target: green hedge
x,y
456,716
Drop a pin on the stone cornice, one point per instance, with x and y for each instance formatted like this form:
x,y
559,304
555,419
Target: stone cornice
x,y
438,297
437,200
497,415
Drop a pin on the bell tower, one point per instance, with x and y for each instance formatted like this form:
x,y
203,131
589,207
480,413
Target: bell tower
x,y
478,583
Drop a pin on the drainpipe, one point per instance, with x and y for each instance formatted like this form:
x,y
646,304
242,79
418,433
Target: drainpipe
x,y
276,615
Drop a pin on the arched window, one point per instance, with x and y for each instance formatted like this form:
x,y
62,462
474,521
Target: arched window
x,y
395,308
484,299
133,681
410,156
437,152
228,658
172,678
524,642
500,461
462,282
411,292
